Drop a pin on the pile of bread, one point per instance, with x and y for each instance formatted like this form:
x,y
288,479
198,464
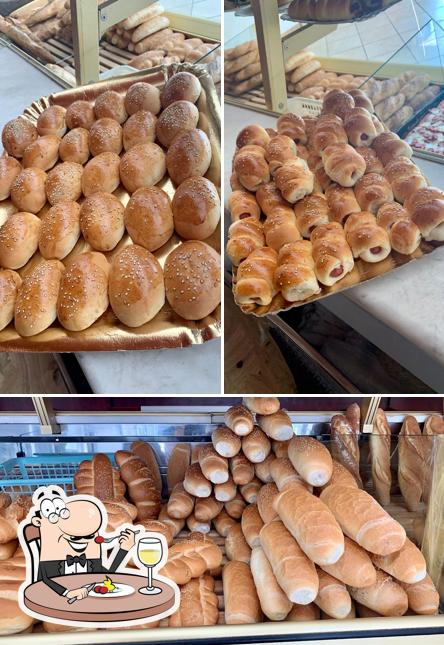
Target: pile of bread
x,y
320,193
64,214
148,34
295,535
242,68
335,10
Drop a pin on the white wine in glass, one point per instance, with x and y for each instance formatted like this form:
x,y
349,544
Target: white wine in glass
x,y
149,552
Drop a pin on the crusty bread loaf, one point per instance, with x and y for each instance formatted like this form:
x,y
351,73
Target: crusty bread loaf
x,y
195,481
342,476
262,405
364,520
177,464
176,524
311,459
145,452
207,508
263,469
354,567
345,444
225,441
333,597
236,546
273,600
266,499
214,467
380,447
283,474
252,523
226,491
97,477
235,507
256,445
406,565
250,491
198,604
141,486
411,462
223,522
242,470
240,420
277,426
385,596
202,526
423,597
241,600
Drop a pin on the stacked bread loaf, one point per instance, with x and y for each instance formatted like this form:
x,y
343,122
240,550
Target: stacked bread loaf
x,y
318,194
62,248
242,68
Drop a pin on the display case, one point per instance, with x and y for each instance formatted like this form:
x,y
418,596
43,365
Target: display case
x,y
29,459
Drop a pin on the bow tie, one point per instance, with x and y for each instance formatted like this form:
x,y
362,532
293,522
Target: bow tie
x,y
76,559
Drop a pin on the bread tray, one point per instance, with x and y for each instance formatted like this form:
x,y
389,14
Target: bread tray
x,y
367,16
404,130
167,329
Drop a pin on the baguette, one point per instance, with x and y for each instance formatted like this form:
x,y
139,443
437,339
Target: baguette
x,y
380,445
385,597
364,520
142,16
333,597
342,476
406,565
251,524
145,452
195,482
256,446
226,442
239,420
345,444
181,504
295,573
242,604
411,463
354,567
311,523
423,597
242,470
265,502
214,467
311,460
236,547
177,464
277,426
274,602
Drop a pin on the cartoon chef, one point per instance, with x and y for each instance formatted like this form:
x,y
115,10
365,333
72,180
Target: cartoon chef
x,y
70,541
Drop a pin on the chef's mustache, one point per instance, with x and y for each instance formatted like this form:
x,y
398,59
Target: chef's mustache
x,y
79,538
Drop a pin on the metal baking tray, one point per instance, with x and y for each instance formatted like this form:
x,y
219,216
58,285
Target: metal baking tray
x,y
404,130
167,329
366,16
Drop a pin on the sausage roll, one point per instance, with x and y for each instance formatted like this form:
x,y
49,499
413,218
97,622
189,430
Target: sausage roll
x,y
295,276
366,238
372,191
255,278
343,164
310,212
404,235
331,253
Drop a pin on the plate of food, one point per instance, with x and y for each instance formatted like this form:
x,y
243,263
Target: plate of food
x,y
108,589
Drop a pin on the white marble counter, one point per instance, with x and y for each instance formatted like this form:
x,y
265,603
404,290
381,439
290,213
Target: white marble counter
x,y
402,312
189,370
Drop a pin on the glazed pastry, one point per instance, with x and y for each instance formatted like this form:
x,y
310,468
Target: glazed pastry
x,y
426,208
294,275
292,126
360,127
294,179
253,135
331,253
404,234
372,191
404,177
327,131
338,102
341,202
251,167
279,150
244,236
310,212
254,280
366,238
243,205
343,164
280,225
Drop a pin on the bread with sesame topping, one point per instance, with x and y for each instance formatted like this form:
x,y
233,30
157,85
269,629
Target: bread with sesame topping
x,y
19,239
101,221
60,230
10,282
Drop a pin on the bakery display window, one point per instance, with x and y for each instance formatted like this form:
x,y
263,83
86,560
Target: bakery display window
x,y
230,493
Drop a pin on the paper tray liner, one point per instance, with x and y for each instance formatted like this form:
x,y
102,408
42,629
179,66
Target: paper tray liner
x,y
362,272
166,329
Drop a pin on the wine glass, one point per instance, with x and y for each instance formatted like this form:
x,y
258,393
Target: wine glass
x,y
149,552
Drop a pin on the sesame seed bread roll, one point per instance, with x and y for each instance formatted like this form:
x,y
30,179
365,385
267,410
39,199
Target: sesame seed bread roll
x,y
64,183
235,507
214,467
180,504
105,135
256,445
142,166
60,230
110,105
10,168
265,502
192,280
225,492
52,121
240,420
242,604
236,547
311,523
74,146
139,128
311,460
149,218
250,491
80,114
207,508
36,305
423,597
28,190
406,565
101,174
262,469
277,426
19,239
333,597
83,295
364,520
225,442
295,573
274,602
223,522
181,87
262,404
42,153
177,117
142,96
242,470
17,135
385,596
101,221
354,567
195,482
196,208
283,474
136,289
189,155
252,524
10,282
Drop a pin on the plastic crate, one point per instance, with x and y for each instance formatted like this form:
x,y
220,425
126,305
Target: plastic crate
x,y
23,475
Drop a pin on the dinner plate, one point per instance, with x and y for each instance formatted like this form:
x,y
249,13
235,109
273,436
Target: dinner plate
x,y
120,591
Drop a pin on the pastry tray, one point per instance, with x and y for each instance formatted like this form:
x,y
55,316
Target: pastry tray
x,y
366,16
166,329
416,118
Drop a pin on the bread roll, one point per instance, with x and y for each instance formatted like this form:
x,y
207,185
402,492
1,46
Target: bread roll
x,y
252,524
406,565
101,174
223,522
262,405
36,304
263,469
139,129
64,183
74,146
354,567
83,295
341,476
295,573
10,168
79,114
178,117
333,597
242,470
226,491
256,446
338,102
149,218
236,546
194,268
19,238
207,508
180,504
243,205
195,482
147,454
202,526
175,524
105,135
136,289
225,442
12,619
311,460
42,153
196,208
244,237
240,420
141,488
101,221
198,604
183,86
10,282
280,448
423,597
52,121
17,135
364,520
235,507
385,596
249,491
301,613
274,602
283,474
28,190
320,538
278,426
266,499
110,105
142,96
345,444
214,467
188,155
142,166
241,600
60,230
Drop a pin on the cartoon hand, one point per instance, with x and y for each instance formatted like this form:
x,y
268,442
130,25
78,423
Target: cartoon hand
x,y
77,594
127,539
